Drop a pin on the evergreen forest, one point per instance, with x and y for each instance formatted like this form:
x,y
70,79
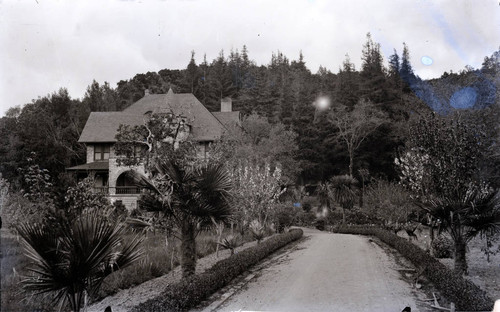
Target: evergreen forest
x,y
284,91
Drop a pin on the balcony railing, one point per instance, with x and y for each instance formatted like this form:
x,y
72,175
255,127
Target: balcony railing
x,y
128,190
101,190
119,190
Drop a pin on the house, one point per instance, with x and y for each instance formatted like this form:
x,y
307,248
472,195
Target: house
x,y
200,126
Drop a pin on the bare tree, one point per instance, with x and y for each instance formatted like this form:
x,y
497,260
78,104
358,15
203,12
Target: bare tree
x,y
355,124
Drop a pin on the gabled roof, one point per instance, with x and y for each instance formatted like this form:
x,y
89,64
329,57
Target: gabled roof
x,y
102,126
228,119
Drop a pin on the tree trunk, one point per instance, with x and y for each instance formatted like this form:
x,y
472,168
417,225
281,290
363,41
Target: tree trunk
x,y
431,232
188,249
460,256
76,300
362,194
351,162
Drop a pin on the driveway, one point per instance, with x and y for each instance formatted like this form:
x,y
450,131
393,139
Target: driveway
x,y
327,272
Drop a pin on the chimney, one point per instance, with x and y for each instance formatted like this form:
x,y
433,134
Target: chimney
x,y
146,92
226,105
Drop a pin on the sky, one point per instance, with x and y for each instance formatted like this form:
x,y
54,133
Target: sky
x,y
46,45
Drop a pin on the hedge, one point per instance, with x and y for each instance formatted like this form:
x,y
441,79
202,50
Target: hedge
x,y
465,294
191,291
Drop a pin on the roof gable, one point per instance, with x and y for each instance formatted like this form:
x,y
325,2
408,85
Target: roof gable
x,y
228,119
103,126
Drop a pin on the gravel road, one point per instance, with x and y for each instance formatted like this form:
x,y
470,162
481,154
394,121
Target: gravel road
x,y
327,272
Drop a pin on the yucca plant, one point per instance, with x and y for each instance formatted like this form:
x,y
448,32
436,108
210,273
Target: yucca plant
x,y
231,242
258,230
72,262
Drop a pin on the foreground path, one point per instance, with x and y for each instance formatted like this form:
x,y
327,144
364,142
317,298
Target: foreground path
x,y
327,272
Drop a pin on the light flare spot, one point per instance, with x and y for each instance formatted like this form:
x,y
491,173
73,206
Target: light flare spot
x,y
426,60
322,103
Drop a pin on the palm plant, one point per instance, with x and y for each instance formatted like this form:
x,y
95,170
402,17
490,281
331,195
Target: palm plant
x,y
230,242
343,190
72,262
258,230
194,198
323,194
476,213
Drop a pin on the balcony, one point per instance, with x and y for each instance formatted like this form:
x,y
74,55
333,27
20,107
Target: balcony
x,y
119,190
101,190
128,190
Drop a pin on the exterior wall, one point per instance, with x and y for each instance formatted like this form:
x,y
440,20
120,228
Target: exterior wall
x,y
112,151
115,171
90,153
130,202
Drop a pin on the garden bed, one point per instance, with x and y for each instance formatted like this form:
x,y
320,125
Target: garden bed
x,y
189,292
127,298
157,263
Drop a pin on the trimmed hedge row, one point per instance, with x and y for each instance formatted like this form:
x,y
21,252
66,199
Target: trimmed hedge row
x,y
189,292
465,294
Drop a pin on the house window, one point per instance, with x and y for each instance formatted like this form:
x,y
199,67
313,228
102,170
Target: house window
x,y
101,152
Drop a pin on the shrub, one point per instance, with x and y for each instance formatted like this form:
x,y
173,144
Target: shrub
x,y
306,218
389,202
358,216
320,224
442,247
465,294
335,217
285,216
191,291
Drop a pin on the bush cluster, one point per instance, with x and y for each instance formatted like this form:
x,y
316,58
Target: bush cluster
x,y
442,247
465,294
320,224
189,292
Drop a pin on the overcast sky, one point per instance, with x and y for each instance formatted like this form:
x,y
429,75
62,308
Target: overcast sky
x,y
46,45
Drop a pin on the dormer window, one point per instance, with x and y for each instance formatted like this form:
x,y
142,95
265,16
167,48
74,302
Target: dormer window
x,y
101,152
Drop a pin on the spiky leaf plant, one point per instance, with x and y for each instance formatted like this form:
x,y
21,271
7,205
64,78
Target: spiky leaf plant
x,y
71,263
231,242
258,230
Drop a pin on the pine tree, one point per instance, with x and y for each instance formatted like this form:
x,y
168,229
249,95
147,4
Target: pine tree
x,y
406,71
220,82
347,88
203,83
279,87
373,86
394,69
191,76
